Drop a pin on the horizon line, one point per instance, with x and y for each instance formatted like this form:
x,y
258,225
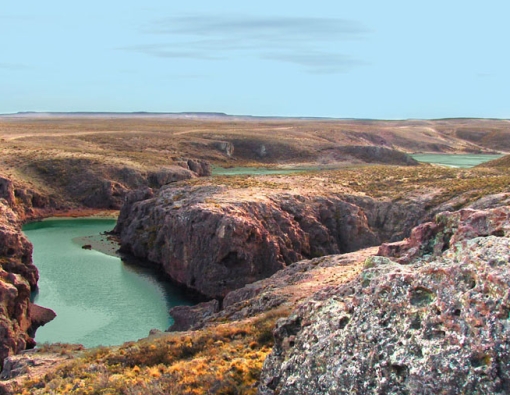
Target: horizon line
x,y
218,114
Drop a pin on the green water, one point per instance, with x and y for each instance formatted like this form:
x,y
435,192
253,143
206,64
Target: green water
x,y
254,171
98,298
455,160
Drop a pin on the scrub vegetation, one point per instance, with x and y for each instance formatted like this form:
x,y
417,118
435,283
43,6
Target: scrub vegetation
x,y
226,359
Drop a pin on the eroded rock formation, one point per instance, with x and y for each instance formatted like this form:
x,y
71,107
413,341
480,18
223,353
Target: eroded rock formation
x,y
19,318
215,240
430,317
105,185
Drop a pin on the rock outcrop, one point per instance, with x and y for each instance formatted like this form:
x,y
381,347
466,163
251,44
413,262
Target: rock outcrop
x,y
224,147
94,184
429,317
7,190
372,154
283,290
185,317
19,318
214,240
25,201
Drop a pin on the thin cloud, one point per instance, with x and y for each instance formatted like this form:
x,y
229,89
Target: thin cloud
x,y
176,51
13,66
303,41
259,27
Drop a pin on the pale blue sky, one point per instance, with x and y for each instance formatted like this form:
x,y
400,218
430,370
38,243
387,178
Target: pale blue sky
x,y
354,59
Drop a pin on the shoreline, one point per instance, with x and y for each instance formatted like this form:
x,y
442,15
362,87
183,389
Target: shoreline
x,y
72,214
84,213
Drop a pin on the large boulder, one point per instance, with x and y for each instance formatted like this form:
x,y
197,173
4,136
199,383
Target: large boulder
x,y
430,318
167,175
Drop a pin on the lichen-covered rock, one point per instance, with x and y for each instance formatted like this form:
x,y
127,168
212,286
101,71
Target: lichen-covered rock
x,y
449,228
213,239
437,324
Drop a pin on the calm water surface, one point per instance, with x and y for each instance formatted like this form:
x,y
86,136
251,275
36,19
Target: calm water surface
x,y
254,171
99,299
455,160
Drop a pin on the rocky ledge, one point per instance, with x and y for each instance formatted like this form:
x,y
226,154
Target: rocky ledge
x,y
214,239
426,315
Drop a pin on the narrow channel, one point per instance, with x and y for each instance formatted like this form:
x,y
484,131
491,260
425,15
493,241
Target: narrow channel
x,y
99,299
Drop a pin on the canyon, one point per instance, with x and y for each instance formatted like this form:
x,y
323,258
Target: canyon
x,y
251,245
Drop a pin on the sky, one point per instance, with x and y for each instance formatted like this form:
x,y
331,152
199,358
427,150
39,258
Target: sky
x,y
344,59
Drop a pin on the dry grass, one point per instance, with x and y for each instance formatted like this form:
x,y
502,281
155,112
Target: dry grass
x,y
503,163
434,185
226,359
39,153
155,141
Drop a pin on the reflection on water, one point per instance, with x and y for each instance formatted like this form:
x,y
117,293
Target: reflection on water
x,y
98,298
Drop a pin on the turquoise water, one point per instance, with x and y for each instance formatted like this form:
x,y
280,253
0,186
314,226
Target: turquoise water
x,y
254,171
98,298
455,160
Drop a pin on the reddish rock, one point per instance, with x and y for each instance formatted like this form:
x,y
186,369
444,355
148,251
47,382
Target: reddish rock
x,y
39,316
167,175
18,277
214,240
448,228
438,324
201,168
7,191
108,194
185,317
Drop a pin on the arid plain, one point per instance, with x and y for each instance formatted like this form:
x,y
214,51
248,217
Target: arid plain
x,y
262,244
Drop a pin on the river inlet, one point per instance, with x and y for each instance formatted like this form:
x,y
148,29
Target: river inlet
x,y
98,298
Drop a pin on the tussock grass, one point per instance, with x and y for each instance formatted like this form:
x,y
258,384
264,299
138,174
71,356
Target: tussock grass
x,y
226,359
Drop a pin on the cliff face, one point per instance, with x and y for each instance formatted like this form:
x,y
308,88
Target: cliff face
x,y
215,240
428,315
93,184
19,318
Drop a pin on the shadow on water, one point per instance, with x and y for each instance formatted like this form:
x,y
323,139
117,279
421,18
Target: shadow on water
x,y
173,289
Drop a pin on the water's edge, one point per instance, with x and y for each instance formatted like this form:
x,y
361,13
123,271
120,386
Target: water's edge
x,y
100,299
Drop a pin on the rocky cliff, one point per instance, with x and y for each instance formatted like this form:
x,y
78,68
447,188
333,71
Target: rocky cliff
x,y
213,239
19,318
427,315
93,184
